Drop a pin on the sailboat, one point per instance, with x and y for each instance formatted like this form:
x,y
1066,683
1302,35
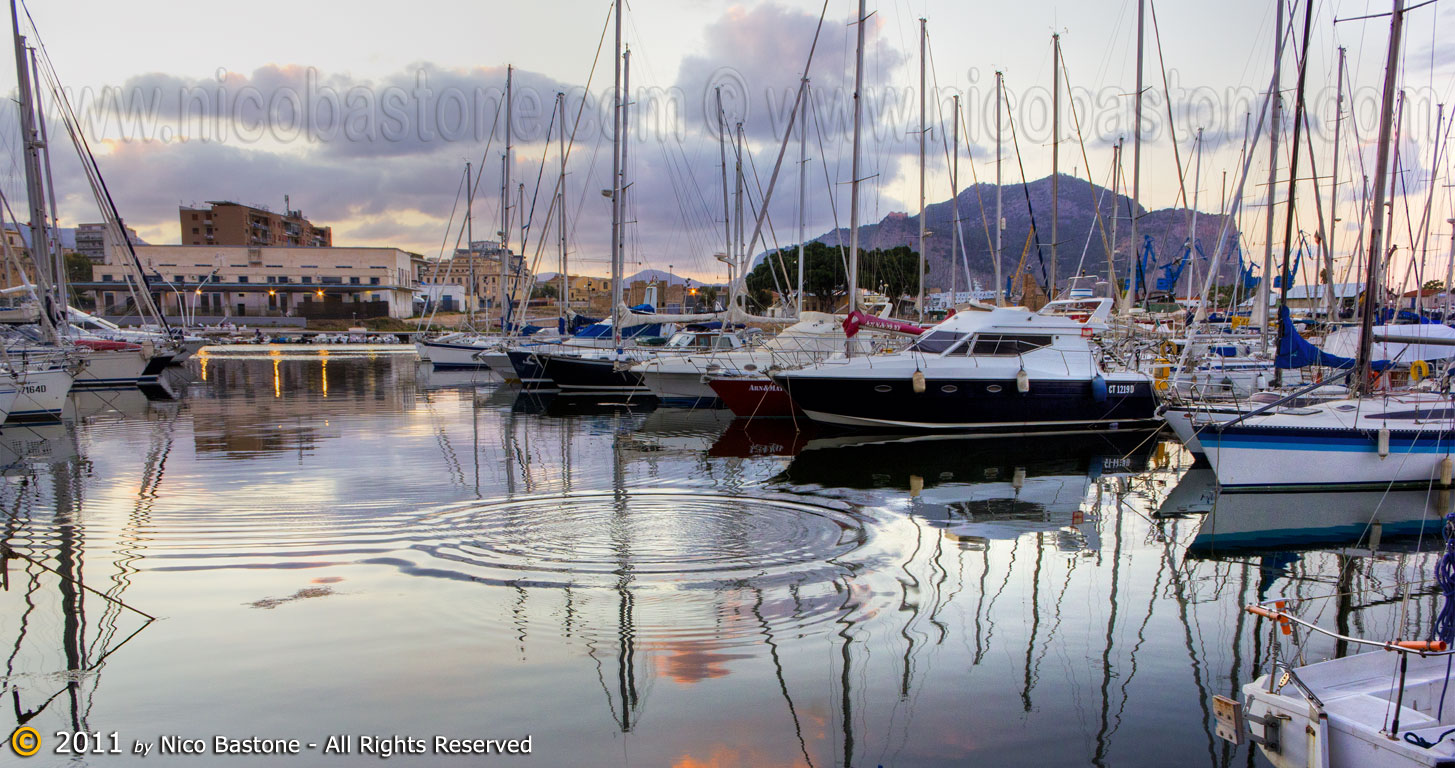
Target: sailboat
x,y
95,361
1373,439
1386,707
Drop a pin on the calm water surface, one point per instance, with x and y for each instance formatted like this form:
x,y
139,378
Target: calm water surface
x,y
356,544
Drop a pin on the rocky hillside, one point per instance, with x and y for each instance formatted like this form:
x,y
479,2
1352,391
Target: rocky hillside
x,y
1168,228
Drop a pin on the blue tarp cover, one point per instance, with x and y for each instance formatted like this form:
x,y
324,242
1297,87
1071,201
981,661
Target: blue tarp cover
x,y
1294,351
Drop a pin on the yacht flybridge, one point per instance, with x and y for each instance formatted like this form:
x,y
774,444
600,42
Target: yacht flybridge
x,y
1006,370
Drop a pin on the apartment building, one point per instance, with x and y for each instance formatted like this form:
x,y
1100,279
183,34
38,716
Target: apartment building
x,y
228,223
91,241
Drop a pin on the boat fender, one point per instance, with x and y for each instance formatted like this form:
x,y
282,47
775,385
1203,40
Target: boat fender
x,y
1161,373
918,382
1383,442
1446,471
1098,388
1022,381
1419,370
1018,478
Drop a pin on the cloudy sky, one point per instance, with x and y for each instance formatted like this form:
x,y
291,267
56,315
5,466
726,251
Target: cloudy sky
x,y
366,118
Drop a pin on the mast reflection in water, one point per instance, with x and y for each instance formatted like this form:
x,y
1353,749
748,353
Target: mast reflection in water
x,y
359,544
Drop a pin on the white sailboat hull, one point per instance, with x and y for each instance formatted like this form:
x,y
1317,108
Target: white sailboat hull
x,y
444,354
40,394
116,369
1342,444
1358,702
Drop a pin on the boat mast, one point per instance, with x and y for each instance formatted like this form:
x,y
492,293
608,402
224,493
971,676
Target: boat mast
x,y
919,302
802,181
620,267
727,218
1055,155
1449,271
854,170
34,194
999,210
53,245
736,268
1192,235
955,198
616,189
469,234
505,206
1260,301
1285,278
1116,174
565,296
1136,165
1329,299
1376,223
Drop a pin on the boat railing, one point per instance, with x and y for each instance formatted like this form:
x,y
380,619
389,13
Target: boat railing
x,y
1283,621
1275,610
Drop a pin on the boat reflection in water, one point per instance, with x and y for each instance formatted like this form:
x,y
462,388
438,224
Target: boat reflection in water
x,y
980,489
606,575
1372,521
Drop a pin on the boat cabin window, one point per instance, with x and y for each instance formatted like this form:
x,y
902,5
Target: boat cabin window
x,y
935,342
691,341
1004,345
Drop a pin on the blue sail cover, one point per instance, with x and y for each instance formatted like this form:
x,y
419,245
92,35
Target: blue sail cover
x,y
1294,351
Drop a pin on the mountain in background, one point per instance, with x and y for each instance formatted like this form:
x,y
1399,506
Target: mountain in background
x,y
661,276
1079,200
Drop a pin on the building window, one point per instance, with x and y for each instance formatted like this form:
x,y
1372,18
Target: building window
x,y
373,281
282,278
353,281
108,279
194,230
307,279
242,278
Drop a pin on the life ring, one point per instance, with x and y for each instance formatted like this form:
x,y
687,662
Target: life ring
x,y
1168,348
1419,369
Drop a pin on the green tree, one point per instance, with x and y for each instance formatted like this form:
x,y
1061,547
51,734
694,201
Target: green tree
x,y
1434,285
825,280
78,268
545,291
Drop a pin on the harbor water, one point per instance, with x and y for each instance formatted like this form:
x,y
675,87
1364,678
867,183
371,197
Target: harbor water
x,y
349,545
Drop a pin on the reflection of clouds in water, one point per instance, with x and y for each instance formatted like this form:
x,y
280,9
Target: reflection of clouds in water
x,y
689,663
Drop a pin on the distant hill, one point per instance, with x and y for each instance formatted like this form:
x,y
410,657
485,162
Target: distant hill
x,y
659,275
1168,228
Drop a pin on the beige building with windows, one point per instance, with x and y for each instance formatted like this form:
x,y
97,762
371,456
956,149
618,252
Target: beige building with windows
x,y
439,279
214,282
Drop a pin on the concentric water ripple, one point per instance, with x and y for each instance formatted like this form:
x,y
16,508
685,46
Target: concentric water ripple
x,y
641,537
